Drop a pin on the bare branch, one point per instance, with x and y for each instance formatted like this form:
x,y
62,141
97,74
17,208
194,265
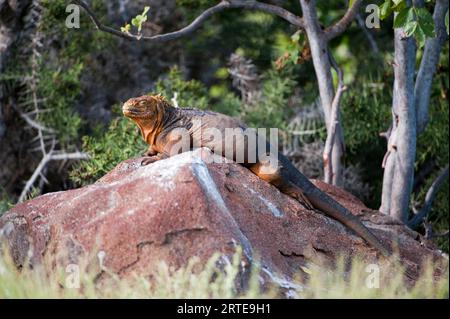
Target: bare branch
x,y
198,22
37,172
434,235
307,132
33,178
339,27
334,121
386,134
68,156
321,61
35,124
429,198
443,234
429,232
369,36
50,156
23,104
174,100
32,122
428,65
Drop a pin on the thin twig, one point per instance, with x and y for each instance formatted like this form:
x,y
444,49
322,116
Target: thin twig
x,y
334,121
368,34
37,172
62,156
198,22
50,156
339,27
307,132
26,103
429,232
174,100
429,198
32,122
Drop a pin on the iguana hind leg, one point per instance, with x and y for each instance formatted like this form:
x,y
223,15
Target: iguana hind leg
x,y
315,198
295,192
271,173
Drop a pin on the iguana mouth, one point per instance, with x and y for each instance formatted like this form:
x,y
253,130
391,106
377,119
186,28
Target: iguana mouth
x,y
128,112
132,112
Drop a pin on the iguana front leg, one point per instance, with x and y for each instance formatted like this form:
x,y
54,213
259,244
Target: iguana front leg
x,y
151,156
166,146
151,159
150,151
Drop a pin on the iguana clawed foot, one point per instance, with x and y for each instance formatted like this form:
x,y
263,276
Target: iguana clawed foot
x,y
305,201
149,160
296,192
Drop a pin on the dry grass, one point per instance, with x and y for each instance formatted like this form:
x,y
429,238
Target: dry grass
x,y
187,283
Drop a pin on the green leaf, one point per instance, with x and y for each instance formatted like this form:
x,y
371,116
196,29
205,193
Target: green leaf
x,y
425,21
420,37
296,36
410,28
135,22
403,17
399,5
385,10
294,56
126,28
144,13
140,19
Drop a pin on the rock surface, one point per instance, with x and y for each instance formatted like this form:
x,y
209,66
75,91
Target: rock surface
x,y
182,207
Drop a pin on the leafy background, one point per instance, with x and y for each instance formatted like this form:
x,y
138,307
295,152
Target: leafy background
x,y
85,75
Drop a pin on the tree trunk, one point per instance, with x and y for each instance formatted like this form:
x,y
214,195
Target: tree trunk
x,y
322,67
388,177
428,65
410,113
399,169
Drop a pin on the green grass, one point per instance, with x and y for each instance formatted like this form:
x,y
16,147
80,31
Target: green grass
x,y
361,283
200,280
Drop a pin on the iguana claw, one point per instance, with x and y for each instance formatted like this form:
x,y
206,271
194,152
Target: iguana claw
x,y
149,160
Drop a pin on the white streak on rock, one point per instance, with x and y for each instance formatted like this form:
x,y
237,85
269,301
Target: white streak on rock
x,y
101,258
160,173
208,185
271,206
7,229
292,287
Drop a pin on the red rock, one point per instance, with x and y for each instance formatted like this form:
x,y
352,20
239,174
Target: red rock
x,y
181,207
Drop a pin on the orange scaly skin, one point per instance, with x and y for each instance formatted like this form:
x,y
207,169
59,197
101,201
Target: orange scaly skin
x,y
159,121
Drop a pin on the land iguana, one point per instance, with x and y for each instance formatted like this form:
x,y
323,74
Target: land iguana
x,y
160,124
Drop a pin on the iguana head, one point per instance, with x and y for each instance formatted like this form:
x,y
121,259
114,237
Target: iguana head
x,y
148,112
145,107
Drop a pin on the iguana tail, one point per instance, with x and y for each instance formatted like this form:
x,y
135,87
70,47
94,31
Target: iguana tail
x,y
335,210
290,181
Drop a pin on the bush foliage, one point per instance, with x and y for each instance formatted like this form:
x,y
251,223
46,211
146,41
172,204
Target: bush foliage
x,y
284,91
